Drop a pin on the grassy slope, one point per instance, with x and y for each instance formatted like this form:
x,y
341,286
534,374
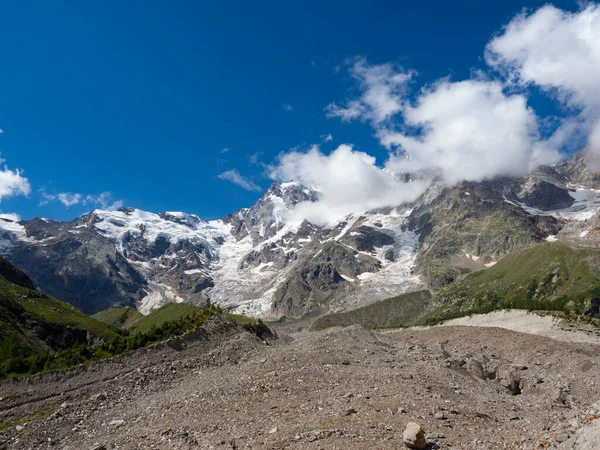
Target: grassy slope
x,y
176,311
546,276
400,311
124,317
41,323
549,276
167,313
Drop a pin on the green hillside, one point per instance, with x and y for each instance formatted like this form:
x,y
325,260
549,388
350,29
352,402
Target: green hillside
x,y
40,323
124,317
549,276
167,313
33,325
176,312
401,311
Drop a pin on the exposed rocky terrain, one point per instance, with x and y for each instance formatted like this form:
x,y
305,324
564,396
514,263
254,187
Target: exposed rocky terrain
x,y
470,388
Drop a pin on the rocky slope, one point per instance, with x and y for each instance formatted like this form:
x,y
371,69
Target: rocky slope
x,y
470,388
259,262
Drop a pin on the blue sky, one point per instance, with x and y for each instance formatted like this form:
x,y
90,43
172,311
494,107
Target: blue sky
x,y
141,99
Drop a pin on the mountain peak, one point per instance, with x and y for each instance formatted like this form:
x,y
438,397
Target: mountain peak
x,y
292,192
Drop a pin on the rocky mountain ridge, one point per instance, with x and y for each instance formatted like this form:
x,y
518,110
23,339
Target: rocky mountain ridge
x,y
258,261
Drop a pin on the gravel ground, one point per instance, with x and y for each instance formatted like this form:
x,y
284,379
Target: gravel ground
x,y
543,324
224,388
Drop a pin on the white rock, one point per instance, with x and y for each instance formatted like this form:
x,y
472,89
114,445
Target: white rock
x,y
414,436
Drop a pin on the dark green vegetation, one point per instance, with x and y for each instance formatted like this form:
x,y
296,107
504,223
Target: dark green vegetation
x,y
549,276
124,317
401,311
32,324
164,323
82,353
177,312
167,313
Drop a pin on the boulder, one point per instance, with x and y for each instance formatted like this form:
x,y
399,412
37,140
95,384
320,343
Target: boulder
x,y
414,436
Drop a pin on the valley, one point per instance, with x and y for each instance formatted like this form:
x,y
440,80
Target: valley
x,y
472,312
470,388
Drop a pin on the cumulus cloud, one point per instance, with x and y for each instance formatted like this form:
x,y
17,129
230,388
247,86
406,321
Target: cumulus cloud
x,y
327,137
558,51
12,182
349,181
465,130
236,178
383,87
469,130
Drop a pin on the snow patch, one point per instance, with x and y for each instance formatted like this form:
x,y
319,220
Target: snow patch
x,y
157,295
11,231
118,225
193,271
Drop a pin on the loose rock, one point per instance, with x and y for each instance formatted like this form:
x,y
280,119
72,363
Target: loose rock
x,y
414,436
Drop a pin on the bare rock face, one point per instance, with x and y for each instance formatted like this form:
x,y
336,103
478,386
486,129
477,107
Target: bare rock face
x,y
544,196
264,219
317,277
366,239
414,436
583,169
477,219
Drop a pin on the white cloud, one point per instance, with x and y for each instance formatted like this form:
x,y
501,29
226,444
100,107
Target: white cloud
x,y
327,137
235,177
12,182
1,131
69,199
558,51
102,201
469,130
383,87
473,129
287,107
225,149
348,181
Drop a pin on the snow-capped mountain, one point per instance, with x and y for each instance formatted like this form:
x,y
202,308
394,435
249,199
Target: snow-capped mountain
x,y
258,261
